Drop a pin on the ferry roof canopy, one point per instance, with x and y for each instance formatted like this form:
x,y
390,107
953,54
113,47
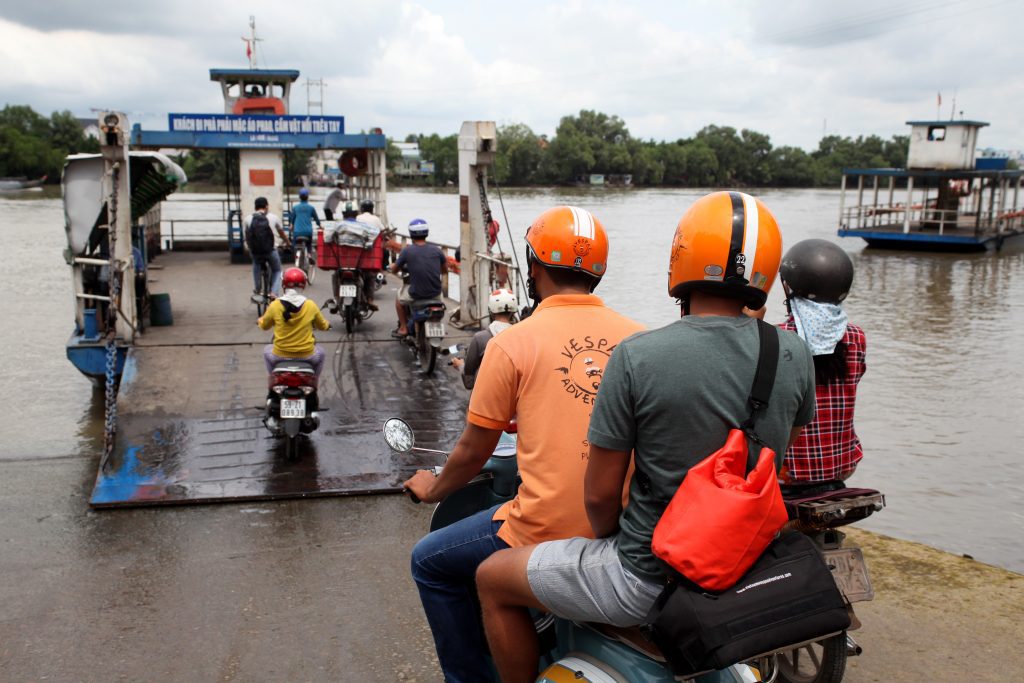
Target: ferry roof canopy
x,y
976,124
252,75
964,174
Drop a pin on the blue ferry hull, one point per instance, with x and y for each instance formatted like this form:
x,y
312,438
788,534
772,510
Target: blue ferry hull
x,y
90,357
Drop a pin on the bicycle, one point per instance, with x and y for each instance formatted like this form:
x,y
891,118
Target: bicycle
x,y
262,299
305,257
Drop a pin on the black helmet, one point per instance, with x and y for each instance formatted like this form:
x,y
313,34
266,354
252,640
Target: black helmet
x,y
366,206
349,210
817,270
261,203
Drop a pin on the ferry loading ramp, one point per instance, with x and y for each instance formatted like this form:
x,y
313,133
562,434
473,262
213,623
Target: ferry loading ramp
x,y
191,403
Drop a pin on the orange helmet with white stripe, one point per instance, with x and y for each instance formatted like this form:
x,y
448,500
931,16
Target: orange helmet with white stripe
x,y
571,238
727,244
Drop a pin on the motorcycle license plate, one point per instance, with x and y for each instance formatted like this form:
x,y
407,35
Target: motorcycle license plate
x,y
433,329
347,291
293,408
850,573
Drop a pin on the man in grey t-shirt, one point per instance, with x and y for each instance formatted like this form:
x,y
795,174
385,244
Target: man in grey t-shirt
x,y
669,397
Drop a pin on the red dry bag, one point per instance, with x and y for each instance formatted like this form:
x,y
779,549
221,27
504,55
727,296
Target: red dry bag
x,y
721,517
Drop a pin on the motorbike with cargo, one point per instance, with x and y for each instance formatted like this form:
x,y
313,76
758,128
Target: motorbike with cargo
x,y
599,652
571,651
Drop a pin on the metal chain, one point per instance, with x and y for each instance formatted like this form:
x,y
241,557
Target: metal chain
x,y
485,208
110,421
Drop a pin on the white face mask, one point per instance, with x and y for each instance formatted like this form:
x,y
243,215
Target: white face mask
x,y
820,325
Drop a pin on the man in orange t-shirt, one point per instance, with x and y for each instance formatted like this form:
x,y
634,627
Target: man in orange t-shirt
x,y
544,372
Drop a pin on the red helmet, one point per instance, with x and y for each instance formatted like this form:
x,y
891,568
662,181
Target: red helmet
x,y
294,278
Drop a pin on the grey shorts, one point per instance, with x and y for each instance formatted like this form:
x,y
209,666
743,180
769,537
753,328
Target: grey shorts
x,y
583,580
403,295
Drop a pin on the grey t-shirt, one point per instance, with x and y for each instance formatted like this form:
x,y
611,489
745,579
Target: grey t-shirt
x,y
672,395
424,263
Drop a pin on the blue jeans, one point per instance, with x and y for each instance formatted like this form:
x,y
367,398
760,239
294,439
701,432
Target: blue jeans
x,y
274,259
444,565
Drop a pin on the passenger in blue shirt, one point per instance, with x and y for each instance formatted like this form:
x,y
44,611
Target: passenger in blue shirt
x,y
303,215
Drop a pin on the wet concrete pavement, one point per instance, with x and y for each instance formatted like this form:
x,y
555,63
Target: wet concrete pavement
x,y
318,590
304,590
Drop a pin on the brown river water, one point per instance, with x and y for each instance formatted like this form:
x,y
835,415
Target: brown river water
x,y
940,410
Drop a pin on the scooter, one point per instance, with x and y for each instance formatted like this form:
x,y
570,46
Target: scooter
x,y
292,403
818,511
584,652
426,331
350,297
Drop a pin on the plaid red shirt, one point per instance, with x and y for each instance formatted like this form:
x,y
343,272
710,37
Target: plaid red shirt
x,y
828,448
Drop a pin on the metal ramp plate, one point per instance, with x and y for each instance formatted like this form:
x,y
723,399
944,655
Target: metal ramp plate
x,y
192,397
209,443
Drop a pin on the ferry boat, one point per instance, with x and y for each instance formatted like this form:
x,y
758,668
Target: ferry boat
x,y
944,200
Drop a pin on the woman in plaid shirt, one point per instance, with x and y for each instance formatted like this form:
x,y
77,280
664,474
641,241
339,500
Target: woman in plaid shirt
x,y
817,276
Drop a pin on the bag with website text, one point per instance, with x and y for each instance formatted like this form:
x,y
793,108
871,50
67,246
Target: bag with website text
x,y
788,597
721,517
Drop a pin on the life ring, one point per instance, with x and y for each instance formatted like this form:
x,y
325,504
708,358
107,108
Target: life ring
x,y
353,163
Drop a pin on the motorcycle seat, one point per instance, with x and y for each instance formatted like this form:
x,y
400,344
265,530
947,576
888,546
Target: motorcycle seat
x,y
294,366
631,636
418,304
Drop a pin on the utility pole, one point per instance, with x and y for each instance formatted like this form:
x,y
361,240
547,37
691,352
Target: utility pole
x,y
311,84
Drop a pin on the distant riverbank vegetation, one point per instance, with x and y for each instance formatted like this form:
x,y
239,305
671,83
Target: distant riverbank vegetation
x,y
34,146
716,156
584,145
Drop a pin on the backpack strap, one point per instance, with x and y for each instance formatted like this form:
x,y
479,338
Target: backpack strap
x,y
764,377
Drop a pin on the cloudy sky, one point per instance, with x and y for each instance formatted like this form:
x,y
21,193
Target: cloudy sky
x,y
788,68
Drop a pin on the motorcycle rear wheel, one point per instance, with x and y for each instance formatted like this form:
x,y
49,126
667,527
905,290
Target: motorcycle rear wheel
x,y
823,661
350,318
291,447
425,352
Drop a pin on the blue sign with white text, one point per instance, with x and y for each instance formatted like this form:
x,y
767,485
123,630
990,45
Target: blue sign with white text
x,y
256,130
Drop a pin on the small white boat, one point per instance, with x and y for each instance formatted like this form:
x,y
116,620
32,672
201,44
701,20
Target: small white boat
x,y
20,183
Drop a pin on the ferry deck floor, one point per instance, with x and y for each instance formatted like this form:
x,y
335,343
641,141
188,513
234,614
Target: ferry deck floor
x,y
190,407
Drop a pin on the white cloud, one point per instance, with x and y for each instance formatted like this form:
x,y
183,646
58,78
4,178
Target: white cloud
x,y
668,69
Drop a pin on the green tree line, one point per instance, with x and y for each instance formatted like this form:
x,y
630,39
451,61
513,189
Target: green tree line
x,y
33,145
587,143
720,156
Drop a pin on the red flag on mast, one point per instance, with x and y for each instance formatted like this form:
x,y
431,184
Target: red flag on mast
x,y
248,50
939,100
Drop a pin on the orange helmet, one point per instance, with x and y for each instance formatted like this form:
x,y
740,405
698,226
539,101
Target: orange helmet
x,y
569,237
728,244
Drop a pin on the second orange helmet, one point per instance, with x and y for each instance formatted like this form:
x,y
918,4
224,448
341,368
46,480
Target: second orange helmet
x,y
569,237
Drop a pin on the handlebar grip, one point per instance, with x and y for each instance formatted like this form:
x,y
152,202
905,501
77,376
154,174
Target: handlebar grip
x,y
412,496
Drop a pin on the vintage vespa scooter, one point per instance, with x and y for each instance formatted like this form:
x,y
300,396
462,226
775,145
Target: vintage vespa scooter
x,y
572,651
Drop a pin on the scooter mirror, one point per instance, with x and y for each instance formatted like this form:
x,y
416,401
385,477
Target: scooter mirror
x,y
399,435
